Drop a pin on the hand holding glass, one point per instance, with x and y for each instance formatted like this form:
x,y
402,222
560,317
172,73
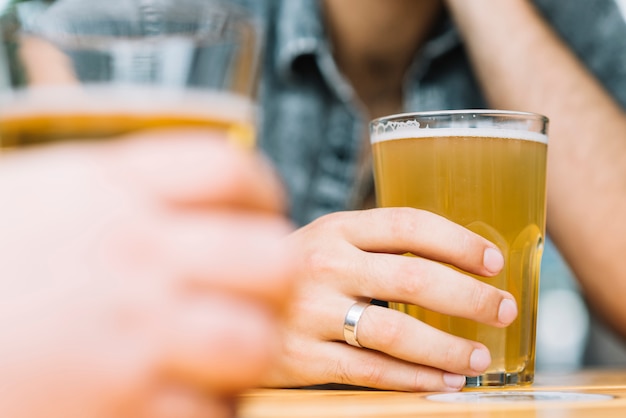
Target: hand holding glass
x,y
485,170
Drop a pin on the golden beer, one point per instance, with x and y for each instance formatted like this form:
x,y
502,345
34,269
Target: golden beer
x,y
62,114
493,182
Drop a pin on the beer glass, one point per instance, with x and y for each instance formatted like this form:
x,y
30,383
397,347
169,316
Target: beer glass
x,y
93,69
485,170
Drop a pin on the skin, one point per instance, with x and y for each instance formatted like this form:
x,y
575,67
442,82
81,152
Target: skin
x,y
354,256
361,259
58,69
376,64
123,292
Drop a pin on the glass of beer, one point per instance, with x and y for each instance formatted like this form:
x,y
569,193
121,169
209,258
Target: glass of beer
x,y
485,170
93,69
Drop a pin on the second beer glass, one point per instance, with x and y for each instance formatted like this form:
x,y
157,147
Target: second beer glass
x,y
87,69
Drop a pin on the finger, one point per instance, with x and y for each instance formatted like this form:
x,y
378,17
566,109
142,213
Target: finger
x,y
220,343
403,337
196,168
236,253
430,285
402,230
341,363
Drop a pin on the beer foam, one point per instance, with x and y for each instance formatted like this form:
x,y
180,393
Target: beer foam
x,y
403,130
122,99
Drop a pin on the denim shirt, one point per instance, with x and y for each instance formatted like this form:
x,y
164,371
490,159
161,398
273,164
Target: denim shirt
x,y
314,129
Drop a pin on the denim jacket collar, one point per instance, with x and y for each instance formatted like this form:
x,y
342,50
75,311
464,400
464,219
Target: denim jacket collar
x,y
300,32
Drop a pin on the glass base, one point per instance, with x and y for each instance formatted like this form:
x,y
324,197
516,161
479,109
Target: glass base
x,y
500,379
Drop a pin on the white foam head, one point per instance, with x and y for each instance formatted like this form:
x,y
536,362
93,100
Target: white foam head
x,y
460,123
413,132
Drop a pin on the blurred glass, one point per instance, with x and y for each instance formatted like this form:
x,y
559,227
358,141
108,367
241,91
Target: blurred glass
x,y
88,69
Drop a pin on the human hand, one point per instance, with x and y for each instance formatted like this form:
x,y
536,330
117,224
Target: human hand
x,y
357,256
138,278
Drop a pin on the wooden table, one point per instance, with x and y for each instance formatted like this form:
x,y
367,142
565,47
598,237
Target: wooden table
x,y
605,392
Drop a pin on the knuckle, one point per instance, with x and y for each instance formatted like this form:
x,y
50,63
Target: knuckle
x,y
412,277
372,374
466,243
319,263
455,356
331,222
389,334
481,300
450,355
400,221
338,372
316,259
422,380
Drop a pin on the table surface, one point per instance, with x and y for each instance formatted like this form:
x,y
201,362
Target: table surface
x,y
589,393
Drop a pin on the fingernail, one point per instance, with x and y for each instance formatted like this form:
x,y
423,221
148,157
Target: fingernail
x,y
454,381
480,359
507,311
493,260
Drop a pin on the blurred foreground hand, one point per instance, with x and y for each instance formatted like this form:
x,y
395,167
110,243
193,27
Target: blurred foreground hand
x,y
143,277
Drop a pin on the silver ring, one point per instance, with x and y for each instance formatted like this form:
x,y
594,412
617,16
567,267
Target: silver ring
x,y
351,323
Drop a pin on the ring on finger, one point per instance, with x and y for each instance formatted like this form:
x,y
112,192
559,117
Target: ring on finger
x,y
351,323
